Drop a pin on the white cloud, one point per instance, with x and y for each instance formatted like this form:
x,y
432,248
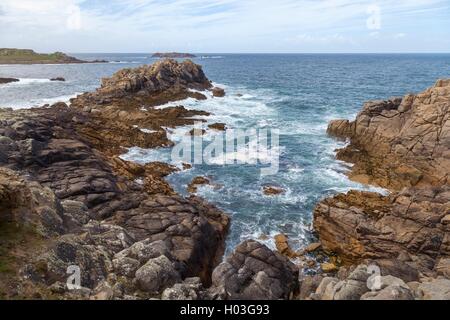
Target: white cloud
x,y
214,25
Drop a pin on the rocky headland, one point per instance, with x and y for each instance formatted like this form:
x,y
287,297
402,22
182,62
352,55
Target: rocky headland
x,y
401,144
27,56
67,199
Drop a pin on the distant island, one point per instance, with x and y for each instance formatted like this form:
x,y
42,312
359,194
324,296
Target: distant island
x,y
27,56
173,55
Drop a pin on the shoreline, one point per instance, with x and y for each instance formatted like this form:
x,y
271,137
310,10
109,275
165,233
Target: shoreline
x,y
95,121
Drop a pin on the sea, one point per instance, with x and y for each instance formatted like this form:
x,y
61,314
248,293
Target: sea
x,y
294,94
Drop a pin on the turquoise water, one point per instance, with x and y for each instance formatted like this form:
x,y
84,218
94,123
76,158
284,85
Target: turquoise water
x,y
296,94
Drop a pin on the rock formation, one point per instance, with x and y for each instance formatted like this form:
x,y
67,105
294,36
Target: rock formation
x,y
8,80
254,272
173,55
126,229
402,144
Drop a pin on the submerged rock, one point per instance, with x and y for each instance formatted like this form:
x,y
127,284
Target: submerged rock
x,y
272,190
8,80
58,79
218,92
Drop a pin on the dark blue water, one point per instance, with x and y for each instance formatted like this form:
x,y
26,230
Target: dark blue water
x,y
296,94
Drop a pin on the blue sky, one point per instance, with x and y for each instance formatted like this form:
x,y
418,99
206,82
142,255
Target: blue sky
x,y
226,26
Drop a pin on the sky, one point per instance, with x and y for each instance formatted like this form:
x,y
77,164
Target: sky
x,y
226,26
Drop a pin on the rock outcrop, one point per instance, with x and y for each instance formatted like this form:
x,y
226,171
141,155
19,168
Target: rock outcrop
x,y
173,55
149,85
120,223
402,144
254,272
373,281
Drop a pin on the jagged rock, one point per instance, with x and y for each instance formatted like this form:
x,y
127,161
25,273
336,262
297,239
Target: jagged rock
x,y
156,80
313,247
400,142
254,272
29,204
218,126
190,289
272,190
443,267
196,182
437,289
308,286
115,217
156,275
283,247
362,225
328,267
397,268
390,293
325,291
218,92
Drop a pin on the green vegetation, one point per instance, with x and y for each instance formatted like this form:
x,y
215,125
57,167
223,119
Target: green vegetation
x,y
26,56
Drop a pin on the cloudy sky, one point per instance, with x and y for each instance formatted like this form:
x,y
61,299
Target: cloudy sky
x,y
224,26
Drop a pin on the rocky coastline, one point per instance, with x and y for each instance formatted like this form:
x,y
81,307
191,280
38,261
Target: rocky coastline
x,y
68,199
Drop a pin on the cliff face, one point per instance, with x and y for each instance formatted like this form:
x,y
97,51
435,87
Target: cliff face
x,y
399,144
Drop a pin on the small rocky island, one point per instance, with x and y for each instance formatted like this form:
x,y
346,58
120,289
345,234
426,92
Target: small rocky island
x,y
173,55
27,56
68,199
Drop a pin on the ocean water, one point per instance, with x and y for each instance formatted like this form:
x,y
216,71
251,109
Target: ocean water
x,y
295,94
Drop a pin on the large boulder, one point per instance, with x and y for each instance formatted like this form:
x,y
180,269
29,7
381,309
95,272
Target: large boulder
x,y
254,272
156,275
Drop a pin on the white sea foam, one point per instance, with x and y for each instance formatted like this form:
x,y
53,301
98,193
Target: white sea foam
x,y
33,103
27,82
143,156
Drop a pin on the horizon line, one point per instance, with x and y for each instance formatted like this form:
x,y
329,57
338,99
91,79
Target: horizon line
x,y
254,53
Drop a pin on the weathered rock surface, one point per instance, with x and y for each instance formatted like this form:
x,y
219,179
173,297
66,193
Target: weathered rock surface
x,y
400,144
402,141
126,229
164,81
254,272
272,190
218,92
173,55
